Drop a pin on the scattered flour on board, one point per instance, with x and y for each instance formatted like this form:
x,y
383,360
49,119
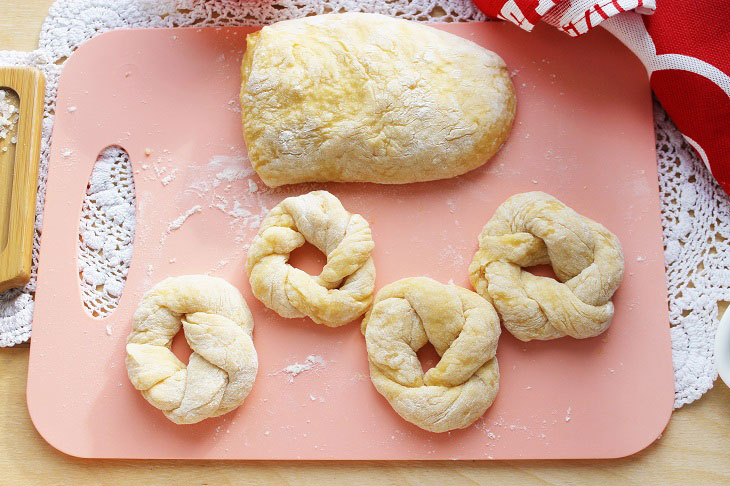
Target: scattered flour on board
x,y
243,217
451,255
492,428
216,182
567,415
169,177
183,217
237,211
232,168
309,363
200,186
229,168
233,105
451,205
163,173
232,174
221,263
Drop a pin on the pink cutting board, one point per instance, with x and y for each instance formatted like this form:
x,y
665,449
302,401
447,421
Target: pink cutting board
x,y
583,133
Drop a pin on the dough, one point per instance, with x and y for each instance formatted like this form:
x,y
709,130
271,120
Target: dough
x,y
534,228
218,328
464,330
365,97
344,289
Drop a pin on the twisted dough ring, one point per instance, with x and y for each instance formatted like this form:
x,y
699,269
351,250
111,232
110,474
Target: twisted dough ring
x,y
463,328
344,289
218,328
534,228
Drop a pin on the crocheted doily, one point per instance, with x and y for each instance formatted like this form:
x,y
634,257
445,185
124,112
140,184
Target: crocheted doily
x,y
696,213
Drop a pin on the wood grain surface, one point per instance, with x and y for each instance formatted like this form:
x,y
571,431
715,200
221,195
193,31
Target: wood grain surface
x,y
694,449
19,174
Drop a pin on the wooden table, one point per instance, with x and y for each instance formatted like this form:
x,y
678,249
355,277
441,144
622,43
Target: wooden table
x,y
694,449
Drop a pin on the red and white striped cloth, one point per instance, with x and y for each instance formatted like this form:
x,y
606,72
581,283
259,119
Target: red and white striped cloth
x,y
684,44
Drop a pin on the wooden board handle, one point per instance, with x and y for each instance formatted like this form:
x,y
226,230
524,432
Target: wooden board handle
x,y
19,175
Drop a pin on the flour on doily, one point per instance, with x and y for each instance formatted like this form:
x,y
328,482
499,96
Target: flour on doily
x,y
8,114
694,209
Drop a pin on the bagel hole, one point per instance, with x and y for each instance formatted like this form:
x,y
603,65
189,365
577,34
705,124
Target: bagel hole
x,y
308,258
180,347
542,271
428,357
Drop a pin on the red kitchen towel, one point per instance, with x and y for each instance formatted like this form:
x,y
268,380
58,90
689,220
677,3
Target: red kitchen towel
x,y
684,44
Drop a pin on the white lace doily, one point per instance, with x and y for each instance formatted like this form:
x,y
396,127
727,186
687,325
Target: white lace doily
x,y
696,213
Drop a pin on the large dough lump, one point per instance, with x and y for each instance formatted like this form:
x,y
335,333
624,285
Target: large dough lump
x,y
534,228
464,330
364,97
218,327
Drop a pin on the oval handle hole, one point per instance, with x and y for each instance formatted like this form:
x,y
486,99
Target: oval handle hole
x,y
106,232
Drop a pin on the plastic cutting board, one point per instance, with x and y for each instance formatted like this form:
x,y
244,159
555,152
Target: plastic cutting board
x,y
583,133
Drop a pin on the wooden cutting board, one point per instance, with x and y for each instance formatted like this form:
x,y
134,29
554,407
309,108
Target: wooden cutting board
x,y
583,133
23,88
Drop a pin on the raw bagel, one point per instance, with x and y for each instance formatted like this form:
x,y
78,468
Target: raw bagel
x,y
218,328
464,330
534,228
365,97
344,289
